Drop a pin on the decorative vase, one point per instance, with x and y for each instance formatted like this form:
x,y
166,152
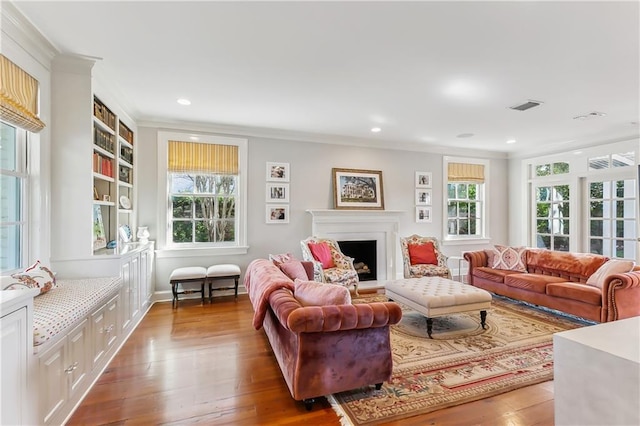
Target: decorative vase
x,y
143,234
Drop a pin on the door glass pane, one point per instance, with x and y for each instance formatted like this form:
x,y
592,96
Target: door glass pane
x,y
561,243
544,226
543,241
596,246
596,190
543,194
596,228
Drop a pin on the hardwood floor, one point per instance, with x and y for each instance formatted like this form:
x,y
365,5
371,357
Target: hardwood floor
x,y
206,364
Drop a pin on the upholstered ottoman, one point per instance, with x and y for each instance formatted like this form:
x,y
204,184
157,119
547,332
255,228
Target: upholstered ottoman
x,y
436,296
223,272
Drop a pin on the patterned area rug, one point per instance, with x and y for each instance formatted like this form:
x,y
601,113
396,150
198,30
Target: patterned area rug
x,y
462,363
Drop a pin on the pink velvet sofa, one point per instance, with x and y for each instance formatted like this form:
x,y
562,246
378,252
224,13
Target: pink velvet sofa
x,y
320,349
557,280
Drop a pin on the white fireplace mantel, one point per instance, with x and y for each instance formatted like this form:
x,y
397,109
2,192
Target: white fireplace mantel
x,y
352,225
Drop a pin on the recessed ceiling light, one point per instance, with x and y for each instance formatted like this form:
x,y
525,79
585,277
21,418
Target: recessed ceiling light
x,y
511,141
465,135
194,138
376,129
577,152
183,101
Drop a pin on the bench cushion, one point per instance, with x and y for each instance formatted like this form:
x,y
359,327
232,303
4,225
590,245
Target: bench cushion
x,y
71,301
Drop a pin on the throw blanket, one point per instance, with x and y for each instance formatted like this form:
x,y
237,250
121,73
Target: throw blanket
x,y
261,279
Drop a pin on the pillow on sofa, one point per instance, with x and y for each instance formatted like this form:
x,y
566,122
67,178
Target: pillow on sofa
x,y
277,259
322,253
612,266
294,269
311,293
422,254
509,258
35,276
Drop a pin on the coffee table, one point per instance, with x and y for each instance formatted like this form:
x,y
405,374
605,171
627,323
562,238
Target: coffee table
x,y
436,297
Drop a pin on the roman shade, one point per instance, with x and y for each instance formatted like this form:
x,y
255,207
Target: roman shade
x,y
465,172
18,97
195,157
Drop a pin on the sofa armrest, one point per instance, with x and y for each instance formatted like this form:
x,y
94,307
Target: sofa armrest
x,y
311,319
621,295
476,259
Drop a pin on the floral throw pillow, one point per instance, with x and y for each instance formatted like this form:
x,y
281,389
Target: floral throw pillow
x,y
35,276
510,258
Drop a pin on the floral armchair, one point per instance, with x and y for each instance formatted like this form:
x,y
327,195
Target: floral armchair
x,y
422,259
330,265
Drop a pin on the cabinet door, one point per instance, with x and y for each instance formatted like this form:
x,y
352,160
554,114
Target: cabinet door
x,y
98,325
111,322
53,383
126,298
14,356
78,343
144,280
135,286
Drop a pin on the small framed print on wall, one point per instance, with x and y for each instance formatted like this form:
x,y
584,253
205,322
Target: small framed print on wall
x,y
423,214
423,179
277,172
277,213
423,197
277,193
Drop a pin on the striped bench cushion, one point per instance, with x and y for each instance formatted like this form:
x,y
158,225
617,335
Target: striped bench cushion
x,y
73,300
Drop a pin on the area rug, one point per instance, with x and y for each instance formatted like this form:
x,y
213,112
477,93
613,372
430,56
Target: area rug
x,y
462,363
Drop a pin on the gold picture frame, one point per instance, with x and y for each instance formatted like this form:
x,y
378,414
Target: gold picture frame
x,y
355,189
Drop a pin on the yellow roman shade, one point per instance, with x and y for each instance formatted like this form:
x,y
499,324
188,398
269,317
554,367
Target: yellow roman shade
x,y
18,97
194,157
465,172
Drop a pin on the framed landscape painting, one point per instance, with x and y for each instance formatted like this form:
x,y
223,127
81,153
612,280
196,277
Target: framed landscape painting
x,y
357,189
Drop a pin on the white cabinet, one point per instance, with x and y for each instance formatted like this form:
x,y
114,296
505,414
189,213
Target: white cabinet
x,y
147,286
105,328
63,369
16,348
130,290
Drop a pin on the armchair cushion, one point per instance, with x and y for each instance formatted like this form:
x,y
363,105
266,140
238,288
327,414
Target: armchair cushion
x,y
311,293
322,253
422,254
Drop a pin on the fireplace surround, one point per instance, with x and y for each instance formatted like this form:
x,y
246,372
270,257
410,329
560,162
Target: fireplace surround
x,y
357,225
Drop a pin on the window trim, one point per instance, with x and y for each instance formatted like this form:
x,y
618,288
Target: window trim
x,y
483,238
165,248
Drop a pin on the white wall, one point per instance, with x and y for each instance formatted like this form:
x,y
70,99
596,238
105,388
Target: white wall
x,y
311,188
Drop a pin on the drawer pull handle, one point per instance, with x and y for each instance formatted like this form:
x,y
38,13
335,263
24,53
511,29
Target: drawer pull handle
x,y
72,367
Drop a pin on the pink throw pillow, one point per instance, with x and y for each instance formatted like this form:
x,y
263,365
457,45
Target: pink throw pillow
x,y
612,266
510,258
294,270
322,253
422,254
311,293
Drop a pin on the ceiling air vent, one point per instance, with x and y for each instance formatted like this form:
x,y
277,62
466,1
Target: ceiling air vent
x,y
525,106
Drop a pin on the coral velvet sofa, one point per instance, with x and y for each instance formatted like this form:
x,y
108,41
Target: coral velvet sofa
x,y
320,349
558,280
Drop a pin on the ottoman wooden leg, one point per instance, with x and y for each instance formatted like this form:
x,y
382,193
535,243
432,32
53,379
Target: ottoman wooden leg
x,y
483,319
429,327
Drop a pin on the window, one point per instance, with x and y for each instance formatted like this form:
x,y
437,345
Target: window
x,y
465,199
13,196
205,191
612,218
623,159
549,169
552,217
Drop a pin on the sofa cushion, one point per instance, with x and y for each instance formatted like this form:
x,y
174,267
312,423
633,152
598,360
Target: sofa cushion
x,y
531,282
509,258
576,291
277,259
294,269
422,254
496,275
311,293
35,276
613,266
576,267
322,253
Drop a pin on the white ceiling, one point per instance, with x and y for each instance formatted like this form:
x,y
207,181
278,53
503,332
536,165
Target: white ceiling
x,y
424,72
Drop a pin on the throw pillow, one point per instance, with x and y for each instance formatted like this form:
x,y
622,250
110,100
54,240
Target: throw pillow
x,y
510,258
294,269
322,253
277,259
311,293
422,254
35,276
612,266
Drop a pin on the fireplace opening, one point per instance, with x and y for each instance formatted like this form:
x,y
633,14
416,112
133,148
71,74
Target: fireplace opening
x,y
364,253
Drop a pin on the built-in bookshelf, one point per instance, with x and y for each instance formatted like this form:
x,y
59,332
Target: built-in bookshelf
x,y
112,177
